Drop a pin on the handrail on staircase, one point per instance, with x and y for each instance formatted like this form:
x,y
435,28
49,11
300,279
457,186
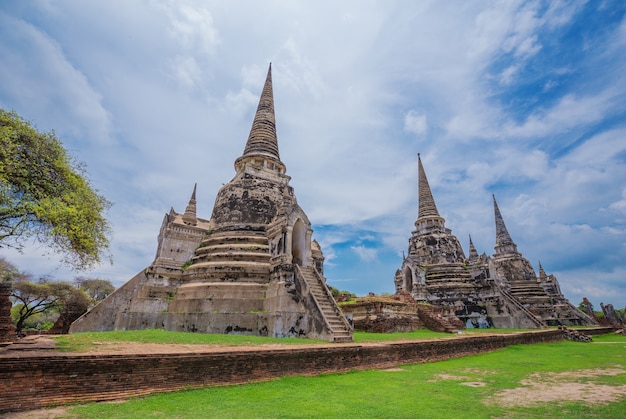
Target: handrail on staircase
x,y
580,312
329,297
520,306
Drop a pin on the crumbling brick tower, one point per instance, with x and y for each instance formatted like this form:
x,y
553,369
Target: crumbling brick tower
x,y
7,330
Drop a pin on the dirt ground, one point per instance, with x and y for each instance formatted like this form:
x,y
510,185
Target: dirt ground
x,y
52,413
43,345
33,346
575,386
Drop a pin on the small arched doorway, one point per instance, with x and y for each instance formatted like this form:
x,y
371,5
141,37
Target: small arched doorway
x,y
298,243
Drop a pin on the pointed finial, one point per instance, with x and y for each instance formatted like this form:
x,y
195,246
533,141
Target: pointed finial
x,y
427,207
473,254
504,243
189,217
263,141
542,272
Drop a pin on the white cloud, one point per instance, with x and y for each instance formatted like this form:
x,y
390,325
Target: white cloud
x,y
415,122
160,95
192,27
187,71
366,254
569,113
597,286
507,76
44,86
620,206
299,72
528,47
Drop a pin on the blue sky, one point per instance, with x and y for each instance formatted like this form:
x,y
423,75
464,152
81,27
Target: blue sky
x,y
524,99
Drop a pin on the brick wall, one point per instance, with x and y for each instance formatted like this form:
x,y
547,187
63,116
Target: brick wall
x,y
33,382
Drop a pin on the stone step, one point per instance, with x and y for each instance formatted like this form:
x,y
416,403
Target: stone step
x,y
243,247
235,240
233,236
327,306
234,256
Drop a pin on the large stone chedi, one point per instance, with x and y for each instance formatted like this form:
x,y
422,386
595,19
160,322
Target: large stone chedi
x,y
482,291
251,269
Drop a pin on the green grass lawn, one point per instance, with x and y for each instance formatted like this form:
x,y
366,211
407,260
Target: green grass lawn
x,y
470,387
80,342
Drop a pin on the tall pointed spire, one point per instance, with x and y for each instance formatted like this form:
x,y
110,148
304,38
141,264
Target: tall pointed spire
x,y
427,207
542,273
504,243
189,217
262,141
473,254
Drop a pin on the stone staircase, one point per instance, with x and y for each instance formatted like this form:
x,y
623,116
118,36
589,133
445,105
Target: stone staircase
x,y
514,301
336,321
589,321
434,322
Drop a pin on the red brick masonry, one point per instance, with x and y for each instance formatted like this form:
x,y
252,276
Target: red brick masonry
x,y
34,382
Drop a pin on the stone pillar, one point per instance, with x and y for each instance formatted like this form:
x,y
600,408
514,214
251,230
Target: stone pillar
x,y
288,241
7,330
309,253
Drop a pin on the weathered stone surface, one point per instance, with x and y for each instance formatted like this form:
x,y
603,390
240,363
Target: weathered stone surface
x,y
500,291
435,270
383,315
251,269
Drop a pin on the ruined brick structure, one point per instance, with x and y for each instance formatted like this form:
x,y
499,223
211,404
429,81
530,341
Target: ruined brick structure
x,y
498,291
252,268
65,378
7,330
400,313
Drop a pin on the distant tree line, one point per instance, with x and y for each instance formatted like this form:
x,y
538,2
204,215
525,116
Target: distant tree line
x,y
44,304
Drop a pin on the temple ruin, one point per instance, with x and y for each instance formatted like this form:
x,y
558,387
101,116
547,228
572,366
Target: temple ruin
x,y
499,291
252,268
7,330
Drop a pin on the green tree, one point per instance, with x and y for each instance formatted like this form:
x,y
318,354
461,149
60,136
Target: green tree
x,y
97,289
45,296
45,195
582,307
73,305
8,271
